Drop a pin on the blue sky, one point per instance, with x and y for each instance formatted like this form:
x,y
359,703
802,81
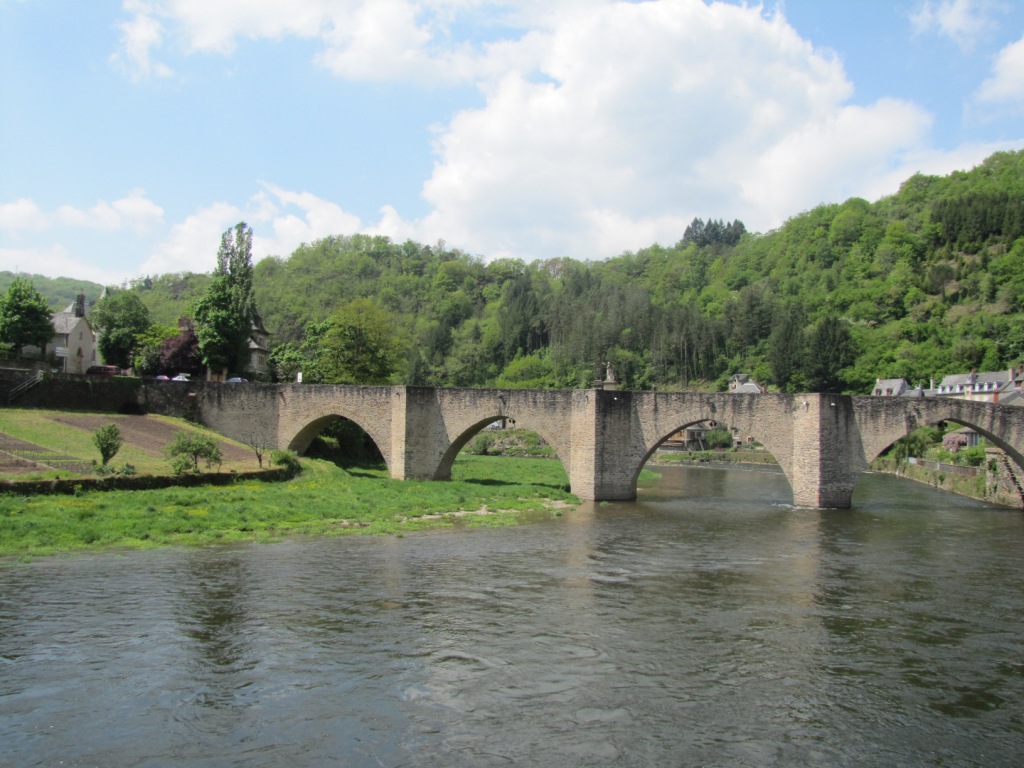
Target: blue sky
x,y
136,131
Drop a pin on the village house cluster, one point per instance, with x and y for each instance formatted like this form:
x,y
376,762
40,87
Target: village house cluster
x,y
987,387
1003,387
75,341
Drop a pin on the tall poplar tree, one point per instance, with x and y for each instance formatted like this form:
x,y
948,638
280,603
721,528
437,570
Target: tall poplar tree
x,y
224,314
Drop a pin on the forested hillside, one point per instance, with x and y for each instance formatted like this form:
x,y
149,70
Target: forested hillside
x,y
927,282
59,292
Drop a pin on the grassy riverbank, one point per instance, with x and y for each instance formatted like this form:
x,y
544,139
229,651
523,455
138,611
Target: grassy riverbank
x,y
40,444
323,500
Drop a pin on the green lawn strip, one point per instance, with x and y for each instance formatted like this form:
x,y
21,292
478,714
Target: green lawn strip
x,y
37,426
323,500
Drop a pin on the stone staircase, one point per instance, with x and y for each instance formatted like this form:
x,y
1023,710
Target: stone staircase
x,y
24,386
1010,476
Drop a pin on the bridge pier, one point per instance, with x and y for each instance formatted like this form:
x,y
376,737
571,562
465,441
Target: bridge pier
x,y
827,458
602,426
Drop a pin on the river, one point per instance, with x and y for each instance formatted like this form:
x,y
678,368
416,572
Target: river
x,y
708,624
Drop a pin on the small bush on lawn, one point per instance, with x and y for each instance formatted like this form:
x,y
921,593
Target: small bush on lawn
x,y
287,459
109,441
188,448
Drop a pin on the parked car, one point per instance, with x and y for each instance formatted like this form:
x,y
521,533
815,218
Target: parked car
x,y
181,377
237,380
161,377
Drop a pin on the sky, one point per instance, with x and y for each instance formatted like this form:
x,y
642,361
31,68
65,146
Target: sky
x,y
135,132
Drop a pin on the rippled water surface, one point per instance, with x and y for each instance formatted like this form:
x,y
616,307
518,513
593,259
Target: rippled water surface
x,y
708,624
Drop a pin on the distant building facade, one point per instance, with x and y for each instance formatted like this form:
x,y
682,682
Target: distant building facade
x,y
984,387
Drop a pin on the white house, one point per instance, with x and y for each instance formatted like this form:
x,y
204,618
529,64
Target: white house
x,y
74,341
985,387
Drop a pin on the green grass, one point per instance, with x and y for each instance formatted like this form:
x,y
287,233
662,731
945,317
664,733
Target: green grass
x,y
323,500
39,426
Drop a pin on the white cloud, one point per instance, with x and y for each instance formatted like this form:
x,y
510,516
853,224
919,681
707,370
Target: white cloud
x,y
139,36
135,212
648,115
829,160
54,260
291,218
965,22
378,41
192,244
1005,88
933,162
362,39
605,125
295,218
22,215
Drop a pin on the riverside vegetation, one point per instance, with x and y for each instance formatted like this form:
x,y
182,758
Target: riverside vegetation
x,y
323,499
921,284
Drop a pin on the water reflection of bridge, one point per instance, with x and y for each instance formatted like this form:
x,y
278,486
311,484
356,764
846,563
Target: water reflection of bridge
x,y
603,438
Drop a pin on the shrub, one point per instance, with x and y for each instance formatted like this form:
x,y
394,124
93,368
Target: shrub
x,y
188,448
975,456
287,459
109,441
481,445
718,438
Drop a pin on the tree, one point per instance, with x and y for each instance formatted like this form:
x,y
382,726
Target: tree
x,y
260,440
181,352
148,344
286,361
786,344
188,448
360,346
120,318
224,314
25,320
109,441
829,351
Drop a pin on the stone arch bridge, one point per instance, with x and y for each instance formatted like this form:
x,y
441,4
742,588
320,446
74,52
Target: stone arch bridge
x,y
603,438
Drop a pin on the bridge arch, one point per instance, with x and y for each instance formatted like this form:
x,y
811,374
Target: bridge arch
x,y
300,440
651,449
464,429
765,419
878,434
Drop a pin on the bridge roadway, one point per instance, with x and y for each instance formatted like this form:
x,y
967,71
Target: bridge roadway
x,y
603,438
